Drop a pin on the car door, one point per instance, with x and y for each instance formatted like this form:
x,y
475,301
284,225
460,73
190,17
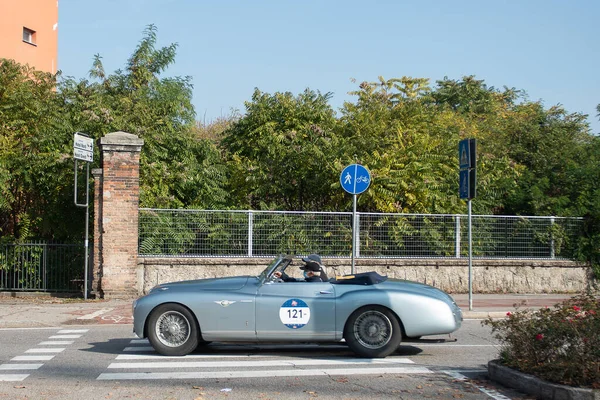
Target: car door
x,y
291,311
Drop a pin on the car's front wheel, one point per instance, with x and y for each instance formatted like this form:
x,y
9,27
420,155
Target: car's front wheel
x,y
373,331
172,330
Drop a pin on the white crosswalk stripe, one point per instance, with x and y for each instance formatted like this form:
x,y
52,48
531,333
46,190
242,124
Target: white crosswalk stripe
x,y
48,350
6,367
39,354
12,377
262,374
261,363
246,362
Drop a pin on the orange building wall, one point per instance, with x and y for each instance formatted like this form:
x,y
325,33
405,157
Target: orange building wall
x,y
40,16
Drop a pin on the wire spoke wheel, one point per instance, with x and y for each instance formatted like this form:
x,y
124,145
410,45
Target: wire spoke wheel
x,y
373,329
173,329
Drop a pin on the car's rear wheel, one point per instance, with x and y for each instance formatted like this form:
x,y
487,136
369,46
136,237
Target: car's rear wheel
x,y
172,330
373,331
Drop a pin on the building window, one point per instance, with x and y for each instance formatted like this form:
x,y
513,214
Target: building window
x,y
28,36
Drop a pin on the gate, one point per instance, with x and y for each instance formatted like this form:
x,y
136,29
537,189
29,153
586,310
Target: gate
x,y
42,267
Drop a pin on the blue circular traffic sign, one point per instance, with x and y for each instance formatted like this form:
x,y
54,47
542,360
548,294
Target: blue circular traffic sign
x,y
355,179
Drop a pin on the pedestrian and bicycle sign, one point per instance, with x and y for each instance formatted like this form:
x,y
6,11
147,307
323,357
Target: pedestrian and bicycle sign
x,y
355,179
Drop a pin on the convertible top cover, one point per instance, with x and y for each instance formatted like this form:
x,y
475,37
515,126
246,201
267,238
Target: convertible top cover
x,y
365,278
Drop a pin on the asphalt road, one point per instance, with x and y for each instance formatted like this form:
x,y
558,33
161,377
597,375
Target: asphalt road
x,y
108,362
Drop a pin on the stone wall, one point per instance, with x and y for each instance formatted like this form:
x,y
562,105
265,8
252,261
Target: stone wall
x,y
451,275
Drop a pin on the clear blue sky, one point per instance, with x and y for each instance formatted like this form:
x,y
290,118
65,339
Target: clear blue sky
x,y
549,48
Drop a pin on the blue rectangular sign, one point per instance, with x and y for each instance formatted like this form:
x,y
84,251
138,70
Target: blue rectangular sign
x,y
464,154
464,183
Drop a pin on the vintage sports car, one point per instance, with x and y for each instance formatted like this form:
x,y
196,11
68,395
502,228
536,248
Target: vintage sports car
x,y
370,312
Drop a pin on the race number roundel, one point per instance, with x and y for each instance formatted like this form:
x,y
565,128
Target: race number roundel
x,y
294,313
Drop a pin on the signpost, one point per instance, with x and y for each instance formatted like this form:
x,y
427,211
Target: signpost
x,y
355,179
467,160
83,149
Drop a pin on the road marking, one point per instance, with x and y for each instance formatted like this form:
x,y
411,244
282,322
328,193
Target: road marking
x,y
65,337
492,393
262,363
19,366
56,343
32,358
189,356
13,377
55,350
95,313
262,374
46,350
31,329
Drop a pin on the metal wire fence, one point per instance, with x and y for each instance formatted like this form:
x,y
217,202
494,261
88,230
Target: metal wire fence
x,y
215,233
39,266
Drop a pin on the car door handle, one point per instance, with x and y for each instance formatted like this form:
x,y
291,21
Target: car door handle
x,y
325,292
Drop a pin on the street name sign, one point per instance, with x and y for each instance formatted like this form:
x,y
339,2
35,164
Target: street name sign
x,y
83,147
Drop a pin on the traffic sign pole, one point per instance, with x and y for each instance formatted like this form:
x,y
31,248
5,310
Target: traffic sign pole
x,y
83,149
353,232
470,261
467,161
354,179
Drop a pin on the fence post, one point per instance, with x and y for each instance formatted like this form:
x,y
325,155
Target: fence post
x,y
457,237
357,238
250,229
552,250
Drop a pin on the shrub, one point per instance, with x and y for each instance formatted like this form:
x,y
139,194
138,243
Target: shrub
x,y
560,344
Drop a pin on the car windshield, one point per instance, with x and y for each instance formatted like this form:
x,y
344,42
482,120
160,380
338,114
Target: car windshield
x,y
277,263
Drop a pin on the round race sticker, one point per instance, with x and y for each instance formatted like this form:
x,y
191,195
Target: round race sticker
x,y
294,313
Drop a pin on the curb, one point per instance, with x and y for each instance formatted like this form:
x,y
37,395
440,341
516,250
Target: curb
x,y
483,314
537,387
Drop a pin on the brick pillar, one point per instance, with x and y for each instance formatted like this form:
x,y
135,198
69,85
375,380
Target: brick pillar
x,y
116,227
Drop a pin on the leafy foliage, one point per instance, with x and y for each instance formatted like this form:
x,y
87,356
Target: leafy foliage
x,y
560,345
279,152
177,169
34,168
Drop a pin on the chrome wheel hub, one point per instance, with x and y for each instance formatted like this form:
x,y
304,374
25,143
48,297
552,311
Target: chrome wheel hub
x,y
373,329
172,329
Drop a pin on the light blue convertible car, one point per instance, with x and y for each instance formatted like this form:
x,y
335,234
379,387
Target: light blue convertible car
x,y
370,312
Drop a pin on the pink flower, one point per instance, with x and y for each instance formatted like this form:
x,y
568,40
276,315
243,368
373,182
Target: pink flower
x,y
539,336
508,314
576,308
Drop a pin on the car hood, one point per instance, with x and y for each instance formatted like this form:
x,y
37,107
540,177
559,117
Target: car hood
x,y
230,283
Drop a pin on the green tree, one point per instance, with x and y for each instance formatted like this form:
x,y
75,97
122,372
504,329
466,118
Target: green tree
x,y
178,169
408,134
35,169
280,152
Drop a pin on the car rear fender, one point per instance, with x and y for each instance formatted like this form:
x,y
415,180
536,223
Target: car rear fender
x,y
418,315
